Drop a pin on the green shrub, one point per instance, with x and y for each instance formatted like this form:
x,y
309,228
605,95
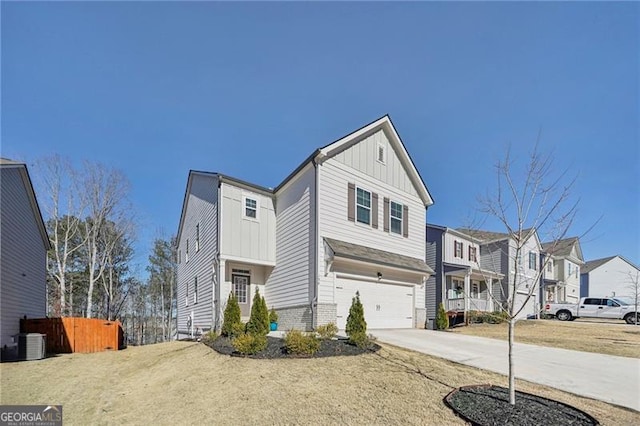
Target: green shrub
x,y
299,343
356,325
327,331
249,344
442,319
231,315
481,317
259,319
273,316
238,329
360,339
209,336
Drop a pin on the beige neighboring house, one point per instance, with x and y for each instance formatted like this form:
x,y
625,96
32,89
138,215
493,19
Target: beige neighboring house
x,y
23,252
350,218
612,276
561,279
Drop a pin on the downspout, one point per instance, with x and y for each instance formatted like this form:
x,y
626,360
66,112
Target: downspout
x,y
314,294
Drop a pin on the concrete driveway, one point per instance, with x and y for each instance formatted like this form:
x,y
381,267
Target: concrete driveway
x,y
608,378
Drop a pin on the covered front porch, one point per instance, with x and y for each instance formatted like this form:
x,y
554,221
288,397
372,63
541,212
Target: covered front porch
x,y
468,289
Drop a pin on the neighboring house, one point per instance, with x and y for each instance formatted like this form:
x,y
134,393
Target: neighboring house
x,y
612,276
349,219
561,275
460,281
23,252
498,254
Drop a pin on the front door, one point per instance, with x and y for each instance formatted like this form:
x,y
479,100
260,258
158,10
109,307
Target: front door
x,y
240,286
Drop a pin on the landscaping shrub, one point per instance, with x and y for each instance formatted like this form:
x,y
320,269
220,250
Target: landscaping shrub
x,y
237,329
327,331
299,343
249,344
356,325
259,319
231,315
209,336
480,317
442,319
273,316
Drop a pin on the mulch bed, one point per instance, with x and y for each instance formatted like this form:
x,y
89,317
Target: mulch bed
x,y
487,405
275,349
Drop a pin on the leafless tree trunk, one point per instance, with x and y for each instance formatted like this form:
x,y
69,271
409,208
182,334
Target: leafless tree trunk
x,y
634,289
526,204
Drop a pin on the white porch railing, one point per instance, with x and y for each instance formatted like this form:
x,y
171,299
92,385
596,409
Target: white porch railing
x,y
474,304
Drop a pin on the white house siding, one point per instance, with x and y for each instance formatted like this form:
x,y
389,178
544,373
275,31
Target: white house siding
x,y
355,165
202,209
242,237
291,280
22,258
449,255
612,277
363,157
526,280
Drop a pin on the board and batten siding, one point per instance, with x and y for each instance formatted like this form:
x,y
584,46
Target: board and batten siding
x,y
334,178
243,237
449,254
202,210
291,280
363,157
23,256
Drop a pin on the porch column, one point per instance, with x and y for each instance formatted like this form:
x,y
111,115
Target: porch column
x,y
467,289
489,294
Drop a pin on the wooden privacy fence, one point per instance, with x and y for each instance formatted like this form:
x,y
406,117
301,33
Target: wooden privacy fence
x,y
84,335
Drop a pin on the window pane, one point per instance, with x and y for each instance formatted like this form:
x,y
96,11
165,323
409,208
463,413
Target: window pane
x,y
396,225
251,203
396,210
250,213
363,215
364,198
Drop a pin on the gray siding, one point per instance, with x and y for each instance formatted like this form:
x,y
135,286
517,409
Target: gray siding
x,y
202,209
494,257
22,256
433,289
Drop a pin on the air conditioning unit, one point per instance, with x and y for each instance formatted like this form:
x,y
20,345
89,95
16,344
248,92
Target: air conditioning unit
x,y
31,346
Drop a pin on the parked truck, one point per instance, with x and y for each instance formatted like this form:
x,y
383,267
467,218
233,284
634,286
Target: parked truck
x,y
594,307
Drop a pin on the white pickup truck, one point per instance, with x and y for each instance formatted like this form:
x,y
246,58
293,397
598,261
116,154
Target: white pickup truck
x,y
593,307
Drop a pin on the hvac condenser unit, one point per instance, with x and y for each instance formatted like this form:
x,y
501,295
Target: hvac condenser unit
x,y
31,346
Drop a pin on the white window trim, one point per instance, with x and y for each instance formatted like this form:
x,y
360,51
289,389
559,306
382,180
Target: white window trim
x,y
364,207
535,258
244,207
242,273
197,237
195,290
186,254
392,217
384,153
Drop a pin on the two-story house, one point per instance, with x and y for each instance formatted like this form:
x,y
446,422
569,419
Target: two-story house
x,y
514,262
23,252
613,276
561,275
349,219
459,281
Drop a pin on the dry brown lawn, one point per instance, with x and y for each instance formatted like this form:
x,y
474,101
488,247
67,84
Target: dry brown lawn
x,y
188,383
611,338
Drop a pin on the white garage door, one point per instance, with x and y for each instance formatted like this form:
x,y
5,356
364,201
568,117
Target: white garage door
x,y
529,309
385,305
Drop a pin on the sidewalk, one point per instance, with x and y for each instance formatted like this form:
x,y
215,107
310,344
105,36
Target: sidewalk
x,y
608,378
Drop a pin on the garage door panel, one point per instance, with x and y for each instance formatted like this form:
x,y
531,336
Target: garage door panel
x,y
385,305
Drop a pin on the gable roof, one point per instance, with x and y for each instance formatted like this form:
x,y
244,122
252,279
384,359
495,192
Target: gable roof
x,y
490,236
593,264
6,163
563,248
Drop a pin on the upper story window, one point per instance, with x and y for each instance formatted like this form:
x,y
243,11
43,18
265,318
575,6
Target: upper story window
x,y
363,206
533,261
381,153
250,207
473,254
195,290
550,266
186,295
457,249
179,256
395,218
186,253
197,237
569,268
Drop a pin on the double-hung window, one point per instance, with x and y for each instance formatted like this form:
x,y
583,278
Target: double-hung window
x,y
251,208
195,290
395,222
186,255
457,249
363,206
532,261
472,254
197,237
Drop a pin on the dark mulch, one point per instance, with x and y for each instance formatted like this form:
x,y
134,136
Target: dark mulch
x,y
275,349
487,405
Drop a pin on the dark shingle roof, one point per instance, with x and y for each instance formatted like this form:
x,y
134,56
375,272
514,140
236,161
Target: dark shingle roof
x,y
489,235
368,254
560,247
593,264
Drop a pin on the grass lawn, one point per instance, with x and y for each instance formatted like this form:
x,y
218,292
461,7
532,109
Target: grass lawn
x,y
188,383
611,338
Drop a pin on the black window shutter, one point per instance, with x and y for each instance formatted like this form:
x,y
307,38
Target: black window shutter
x,y
351,202
405,221
385,212
374,210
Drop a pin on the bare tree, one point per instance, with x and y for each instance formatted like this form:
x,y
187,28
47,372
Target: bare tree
x,y
64,204
107,191
526,203
634,291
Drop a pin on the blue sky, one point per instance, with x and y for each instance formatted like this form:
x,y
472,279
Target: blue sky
x,y
251,89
